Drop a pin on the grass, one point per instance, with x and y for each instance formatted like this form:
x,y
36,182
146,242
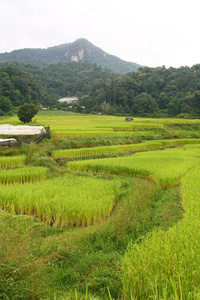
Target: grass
x,y
105,150
158,144
100,133
157,219
167,264
24,273
75,258
157,166
61,118
12,161
22,175
64,201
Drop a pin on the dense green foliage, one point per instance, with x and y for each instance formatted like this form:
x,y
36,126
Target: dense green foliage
x,y
81,50
27,84
150,91
17,88
158,92
26,112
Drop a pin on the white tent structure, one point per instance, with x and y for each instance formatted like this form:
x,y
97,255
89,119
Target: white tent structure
x,y
8,129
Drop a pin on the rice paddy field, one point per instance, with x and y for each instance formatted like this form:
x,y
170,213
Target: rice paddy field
x,y
105,209
22,175
158,166
167,263
65,201
13,161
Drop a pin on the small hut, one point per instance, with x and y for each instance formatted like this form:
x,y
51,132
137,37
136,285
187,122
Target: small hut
x,y
128,119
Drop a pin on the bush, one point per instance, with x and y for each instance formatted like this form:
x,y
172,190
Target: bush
x,y
27,112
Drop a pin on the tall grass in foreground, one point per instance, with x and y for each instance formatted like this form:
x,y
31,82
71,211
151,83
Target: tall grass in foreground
x,y
166,167
12,161
167,264
64,201
22,175
23,273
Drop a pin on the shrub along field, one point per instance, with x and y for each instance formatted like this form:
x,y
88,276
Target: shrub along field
x,y
106,227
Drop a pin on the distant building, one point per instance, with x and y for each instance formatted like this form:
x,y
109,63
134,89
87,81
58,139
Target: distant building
x,y
68,99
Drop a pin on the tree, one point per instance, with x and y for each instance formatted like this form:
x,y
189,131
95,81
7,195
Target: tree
x,y
5,104
27,112
144,104
173,107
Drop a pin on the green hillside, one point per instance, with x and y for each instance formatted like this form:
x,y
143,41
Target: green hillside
x,y
79,51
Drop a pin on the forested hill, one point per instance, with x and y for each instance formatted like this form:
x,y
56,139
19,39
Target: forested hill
x,y
21,83
157,92
79,51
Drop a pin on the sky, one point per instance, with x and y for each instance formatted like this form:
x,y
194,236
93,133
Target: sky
x,y
149,32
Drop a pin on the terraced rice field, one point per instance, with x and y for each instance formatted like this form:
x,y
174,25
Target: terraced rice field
x,y
157,144
166,167
100,133
64,201
166,264
12,161
161,264
22,175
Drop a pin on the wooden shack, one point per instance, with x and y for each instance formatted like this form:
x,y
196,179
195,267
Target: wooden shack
x,y
128,119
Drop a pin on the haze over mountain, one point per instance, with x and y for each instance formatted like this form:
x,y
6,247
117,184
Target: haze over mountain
x,y
79,51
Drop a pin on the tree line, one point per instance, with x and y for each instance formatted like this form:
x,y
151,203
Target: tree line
x,y
155,92
20,83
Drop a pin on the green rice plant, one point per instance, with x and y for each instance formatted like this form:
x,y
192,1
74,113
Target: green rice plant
x,y
56,119
12,161
164,167
147,145
166,264
79,128
99,133
64,201
81,133
191,146
136,125
105,149
175,142
22,175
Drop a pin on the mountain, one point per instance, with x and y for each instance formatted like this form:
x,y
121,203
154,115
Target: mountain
x,y
79,51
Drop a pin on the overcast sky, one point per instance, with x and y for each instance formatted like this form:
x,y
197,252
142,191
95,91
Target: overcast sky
x,y
148,32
